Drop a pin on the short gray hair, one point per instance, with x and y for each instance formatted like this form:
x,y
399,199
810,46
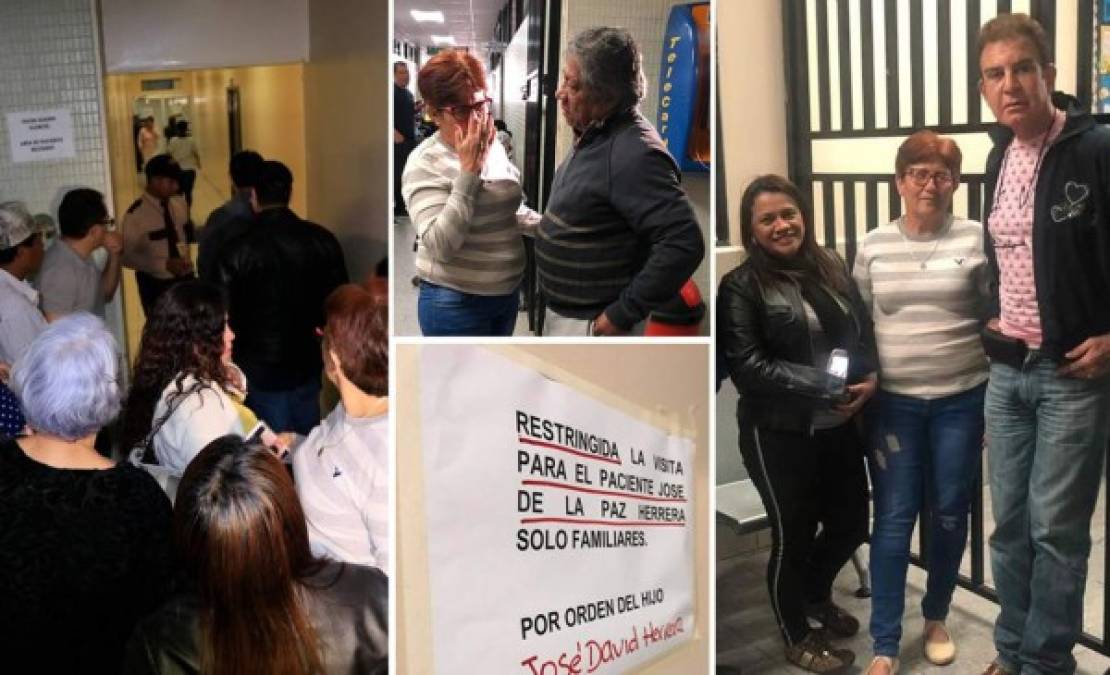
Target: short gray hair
x,y
611,67
67,380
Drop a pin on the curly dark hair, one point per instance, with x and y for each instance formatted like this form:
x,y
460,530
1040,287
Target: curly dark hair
x,y
183,336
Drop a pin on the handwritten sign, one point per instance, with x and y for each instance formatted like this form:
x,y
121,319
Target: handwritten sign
x,y
560,529
40,135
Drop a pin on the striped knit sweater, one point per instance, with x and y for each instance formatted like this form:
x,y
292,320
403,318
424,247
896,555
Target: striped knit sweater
x,y
926,296
468,226
618,234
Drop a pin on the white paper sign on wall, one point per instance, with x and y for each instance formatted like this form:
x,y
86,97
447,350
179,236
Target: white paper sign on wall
x,y
41,134
560,529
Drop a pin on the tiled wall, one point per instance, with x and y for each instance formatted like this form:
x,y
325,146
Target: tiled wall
x,y
49,61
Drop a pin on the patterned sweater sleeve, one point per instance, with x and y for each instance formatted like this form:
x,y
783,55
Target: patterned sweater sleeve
x,y
440,199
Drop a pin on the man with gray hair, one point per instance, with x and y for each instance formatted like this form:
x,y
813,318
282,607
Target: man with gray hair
x,y
21,253
619,237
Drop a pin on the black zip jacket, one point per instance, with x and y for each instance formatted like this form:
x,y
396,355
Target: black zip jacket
x,y
277,275
765,344
1071,230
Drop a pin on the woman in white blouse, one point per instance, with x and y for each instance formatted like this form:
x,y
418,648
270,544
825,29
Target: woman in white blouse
x,y
185,390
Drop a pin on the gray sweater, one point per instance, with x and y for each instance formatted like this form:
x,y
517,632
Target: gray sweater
x,y
926,297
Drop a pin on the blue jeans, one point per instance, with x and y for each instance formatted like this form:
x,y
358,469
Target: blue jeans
x,y
1046,437
444,311
296,409
920,445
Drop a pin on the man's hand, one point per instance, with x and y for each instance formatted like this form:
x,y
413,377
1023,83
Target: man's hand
x,y
1090,360
113,241
603,327
179,267
398,137
858,395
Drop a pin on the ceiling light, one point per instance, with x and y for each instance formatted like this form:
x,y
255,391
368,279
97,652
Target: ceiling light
x,y
443,39
421,16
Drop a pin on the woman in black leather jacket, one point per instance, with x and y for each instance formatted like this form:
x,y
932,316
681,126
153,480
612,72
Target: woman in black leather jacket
x,y
782,315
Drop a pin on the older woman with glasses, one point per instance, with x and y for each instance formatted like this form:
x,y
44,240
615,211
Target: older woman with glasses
x,y
465,200
923,277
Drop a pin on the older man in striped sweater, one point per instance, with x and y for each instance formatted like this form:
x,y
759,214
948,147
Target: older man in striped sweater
x,y
619,237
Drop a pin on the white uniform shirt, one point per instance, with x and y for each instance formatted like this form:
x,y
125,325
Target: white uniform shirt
x,y
21,320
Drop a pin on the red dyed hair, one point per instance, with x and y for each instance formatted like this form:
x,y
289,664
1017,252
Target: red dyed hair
x,y
357,332
927,146
450,78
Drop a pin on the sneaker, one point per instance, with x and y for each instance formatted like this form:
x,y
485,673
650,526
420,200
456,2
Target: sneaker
x,y
833,618
940,650
996,668
882,665
816,655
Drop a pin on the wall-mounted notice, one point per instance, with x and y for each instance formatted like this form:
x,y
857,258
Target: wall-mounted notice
x,y
560,529
42,134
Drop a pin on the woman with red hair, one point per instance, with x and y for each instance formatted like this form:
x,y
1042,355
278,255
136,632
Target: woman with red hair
x,y
465,200
342,468
923,276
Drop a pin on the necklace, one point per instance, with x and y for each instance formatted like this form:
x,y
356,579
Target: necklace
x,y
922,263
1026,189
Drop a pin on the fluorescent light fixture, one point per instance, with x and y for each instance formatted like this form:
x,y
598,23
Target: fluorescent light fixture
x,y
443,39
420,16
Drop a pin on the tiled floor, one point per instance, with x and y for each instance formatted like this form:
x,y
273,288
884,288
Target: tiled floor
x,y
748,636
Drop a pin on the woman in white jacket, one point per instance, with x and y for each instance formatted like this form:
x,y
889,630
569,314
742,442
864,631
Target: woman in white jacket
x,y
186,391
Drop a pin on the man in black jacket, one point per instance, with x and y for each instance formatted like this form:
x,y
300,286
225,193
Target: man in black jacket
x,y
1048,401
404,130
277,275
619,237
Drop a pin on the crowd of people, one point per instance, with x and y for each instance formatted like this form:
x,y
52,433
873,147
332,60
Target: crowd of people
x,y
618,238
202,517
947,334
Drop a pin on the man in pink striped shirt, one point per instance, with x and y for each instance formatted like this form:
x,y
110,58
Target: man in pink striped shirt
x,y
1048,401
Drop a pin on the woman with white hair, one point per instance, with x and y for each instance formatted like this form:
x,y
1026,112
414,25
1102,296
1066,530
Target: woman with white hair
x,y
84,547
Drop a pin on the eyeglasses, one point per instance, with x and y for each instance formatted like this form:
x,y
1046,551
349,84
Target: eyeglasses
x,y
461,112
920,177
106,222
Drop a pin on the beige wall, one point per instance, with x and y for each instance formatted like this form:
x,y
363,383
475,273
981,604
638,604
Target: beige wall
x,y
753,99
347,122
272,103
668,379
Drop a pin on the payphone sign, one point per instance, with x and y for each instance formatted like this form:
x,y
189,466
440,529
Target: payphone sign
x,y
679,85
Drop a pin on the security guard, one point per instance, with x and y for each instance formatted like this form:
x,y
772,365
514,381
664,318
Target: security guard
x,y
157,232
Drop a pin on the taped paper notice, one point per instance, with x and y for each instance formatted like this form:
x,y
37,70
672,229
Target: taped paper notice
x,y
560,529
40,135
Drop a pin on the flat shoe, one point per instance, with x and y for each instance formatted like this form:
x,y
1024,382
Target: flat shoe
x,y
833,618
942,651
890,663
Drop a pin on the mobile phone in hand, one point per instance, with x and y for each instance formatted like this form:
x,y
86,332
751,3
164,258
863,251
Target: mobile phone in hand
x,y
255,435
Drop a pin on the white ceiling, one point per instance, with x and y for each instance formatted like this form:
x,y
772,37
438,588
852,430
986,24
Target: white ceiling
x,y
470,21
